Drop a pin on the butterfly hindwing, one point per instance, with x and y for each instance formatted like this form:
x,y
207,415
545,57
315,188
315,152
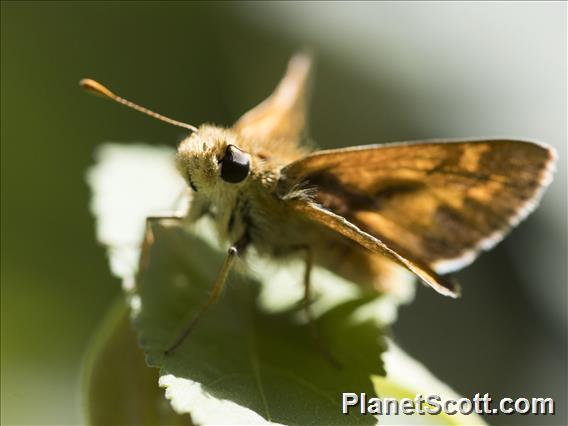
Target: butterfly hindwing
x,y
443,285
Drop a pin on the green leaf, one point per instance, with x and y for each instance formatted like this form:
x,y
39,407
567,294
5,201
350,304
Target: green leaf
x,y
213,378
407,378
243,364
119,388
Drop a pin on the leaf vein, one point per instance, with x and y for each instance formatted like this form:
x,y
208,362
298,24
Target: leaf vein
x,y
256,372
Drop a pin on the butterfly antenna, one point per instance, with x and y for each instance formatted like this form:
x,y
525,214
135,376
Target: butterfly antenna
x,y
98,89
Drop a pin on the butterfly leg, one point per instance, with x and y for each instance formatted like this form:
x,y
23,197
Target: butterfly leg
x,y
149,237
314,332
233,252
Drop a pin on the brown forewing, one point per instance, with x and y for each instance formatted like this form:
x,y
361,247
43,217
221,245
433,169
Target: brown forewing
x,y
437,202
281,119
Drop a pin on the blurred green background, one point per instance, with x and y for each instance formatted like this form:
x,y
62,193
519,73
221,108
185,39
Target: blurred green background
x,y
385,72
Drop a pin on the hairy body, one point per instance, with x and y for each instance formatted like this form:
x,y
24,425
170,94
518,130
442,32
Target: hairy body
x,y
258,212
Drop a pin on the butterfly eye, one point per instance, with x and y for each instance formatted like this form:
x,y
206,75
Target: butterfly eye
x,y
235,165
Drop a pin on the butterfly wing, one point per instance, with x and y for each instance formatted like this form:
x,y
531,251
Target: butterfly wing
x,y
281,117
437,204
443,285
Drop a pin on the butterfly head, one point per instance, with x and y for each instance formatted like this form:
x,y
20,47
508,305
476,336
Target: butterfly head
x,y
211,157
208,158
